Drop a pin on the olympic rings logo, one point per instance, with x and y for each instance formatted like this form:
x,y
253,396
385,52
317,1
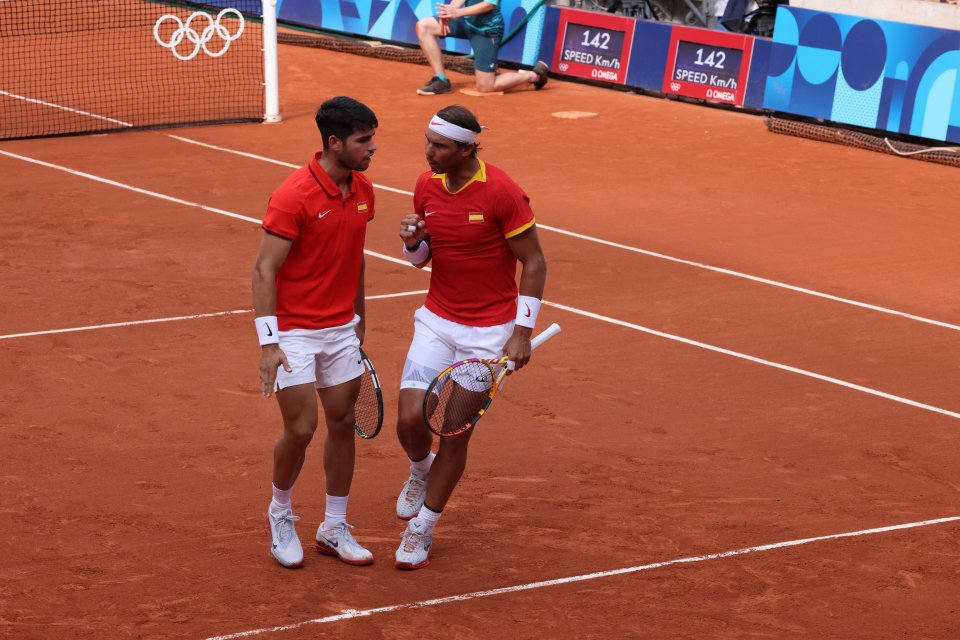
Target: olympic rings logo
x,y
199,40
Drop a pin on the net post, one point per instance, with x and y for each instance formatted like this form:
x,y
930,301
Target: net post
x,y
271,78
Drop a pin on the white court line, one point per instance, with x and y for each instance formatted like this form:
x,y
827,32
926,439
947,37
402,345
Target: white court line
x,y
175,318
112,325
234,152
270,160
579,236
161,196
622,323
349,614
746,276
145,192
768,363
60,106
646,252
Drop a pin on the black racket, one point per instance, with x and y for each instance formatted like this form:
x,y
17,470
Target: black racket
x,y
368,410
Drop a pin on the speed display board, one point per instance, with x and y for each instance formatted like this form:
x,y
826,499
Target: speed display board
x,y
708,64
595,46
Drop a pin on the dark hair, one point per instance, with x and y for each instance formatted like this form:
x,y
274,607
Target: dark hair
x,y
342,116
462,117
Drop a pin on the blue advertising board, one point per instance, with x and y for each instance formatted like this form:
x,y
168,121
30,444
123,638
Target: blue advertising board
x,y
870,73
875,74
395,21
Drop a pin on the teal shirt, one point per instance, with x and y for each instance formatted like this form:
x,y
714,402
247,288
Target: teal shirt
x,y
489,22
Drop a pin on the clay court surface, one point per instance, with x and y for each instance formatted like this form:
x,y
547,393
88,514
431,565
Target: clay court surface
x,y
135,460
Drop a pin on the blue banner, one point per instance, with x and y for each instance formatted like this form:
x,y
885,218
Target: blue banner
x,y
395,20
869,73
875,74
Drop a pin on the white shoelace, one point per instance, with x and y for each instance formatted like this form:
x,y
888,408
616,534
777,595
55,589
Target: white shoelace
x,y
285,527
342,530
415,485
412,540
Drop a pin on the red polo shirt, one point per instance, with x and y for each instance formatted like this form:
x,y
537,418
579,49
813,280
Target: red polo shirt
x,y
317,283
473,279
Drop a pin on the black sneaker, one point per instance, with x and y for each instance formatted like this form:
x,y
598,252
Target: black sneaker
x,y
436,86
541,70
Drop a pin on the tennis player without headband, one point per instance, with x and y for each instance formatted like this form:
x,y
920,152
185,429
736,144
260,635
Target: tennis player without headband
x,y
308,300
473,222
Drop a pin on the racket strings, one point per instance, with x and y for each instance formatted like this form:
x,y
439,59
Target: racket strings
x,y
367,409
460,396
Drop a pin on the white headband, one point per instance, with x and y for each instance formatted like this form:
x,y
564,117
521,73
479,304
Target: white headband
x,y
452,131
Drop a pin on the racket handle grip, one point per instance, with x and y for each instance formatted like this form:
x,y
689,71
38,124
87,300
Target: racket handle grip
x,y
411,228
538,340
545,335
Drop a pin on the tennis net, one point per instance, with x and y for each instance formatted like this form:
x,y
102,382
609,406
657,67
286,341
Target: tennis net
x,y
85,66
863,139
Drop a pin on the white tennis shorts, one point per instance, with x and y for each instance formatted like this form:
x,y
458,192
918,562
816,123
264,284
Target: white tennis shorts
x,y
323,357
438,343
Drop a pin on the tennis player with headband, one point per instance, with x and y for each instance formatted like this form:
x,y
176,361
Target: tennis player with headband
x,y
308,298
473,222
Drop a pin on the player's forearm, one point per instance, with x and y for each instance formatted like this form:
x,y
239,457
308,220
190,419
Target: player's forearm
x,y
533,279
359,302
264,291
533,276
270,257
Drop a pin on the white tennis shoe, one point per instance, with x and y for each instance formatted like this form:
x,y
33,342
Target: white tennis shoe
x,y
414,550
412,495
339,542
284,543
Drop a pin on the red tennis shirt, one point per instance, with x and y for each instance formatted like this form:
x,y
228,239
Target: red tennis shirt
x,y
473,280
317,283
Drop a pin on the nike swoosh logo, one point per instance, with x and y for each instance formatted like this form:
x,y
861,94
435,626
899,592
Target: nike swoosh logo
x,y
320,215
429,213
269,330
435,123
528,310
332,543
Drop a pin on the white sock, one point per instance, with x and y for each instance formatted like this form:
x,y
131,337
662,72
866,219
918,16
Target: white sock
x,y
281,500
422,467
429,517
335,513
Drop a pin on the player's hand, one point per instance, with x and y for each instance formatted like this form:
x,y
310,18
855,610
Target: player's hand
x,y
271,358
412,238
518,348
444,27
447,12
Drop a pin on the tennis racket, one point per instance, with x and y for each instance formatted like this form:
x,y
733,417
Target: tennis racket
x,y
460,395
368,410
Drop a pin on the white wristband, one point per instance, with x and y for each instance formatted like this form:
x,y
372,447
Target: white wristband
x,y
419,255
267,329
527,309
